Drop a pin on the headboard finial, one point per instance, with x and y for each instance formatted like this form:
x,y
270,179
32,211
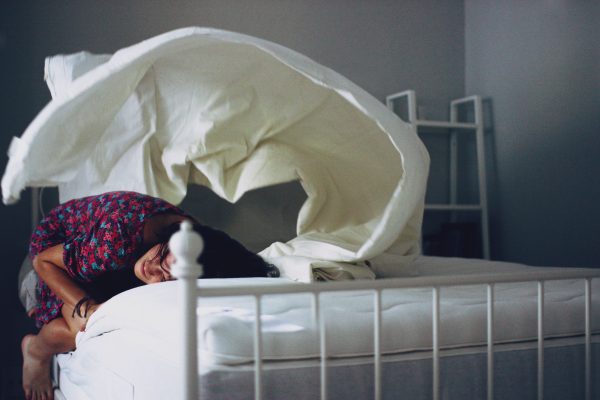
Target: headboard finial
x,y
186,245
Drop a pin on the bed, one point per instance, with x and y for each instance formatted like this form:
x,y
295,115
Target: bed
x,y
235,113
293,352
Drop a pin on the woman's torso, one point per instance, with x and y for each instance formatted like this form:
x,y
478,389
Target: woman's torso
x,y
99,233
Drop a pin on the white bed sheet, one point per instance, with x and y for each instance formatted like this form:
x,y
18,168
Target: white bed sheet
x,y
142,325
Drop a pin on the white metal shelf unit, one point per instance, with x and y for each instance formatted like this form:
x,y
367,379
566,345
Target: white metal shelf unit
x,y
453,127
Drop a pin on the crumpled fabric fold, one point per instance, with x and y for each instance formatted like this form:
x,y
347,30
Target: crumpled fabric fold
x,y
233,113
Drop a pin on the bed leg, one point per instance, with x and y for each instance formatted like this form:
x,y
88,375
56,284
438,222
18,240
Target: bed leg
x,y
490,341
436,344
588,339
540,360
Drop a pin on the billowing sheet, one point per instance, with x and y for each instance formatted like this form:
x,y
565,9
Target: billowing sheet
x,y
233,113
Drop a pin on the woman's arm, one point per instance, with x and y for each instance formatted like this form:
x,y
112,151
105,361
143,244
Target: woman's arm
x,y
50,268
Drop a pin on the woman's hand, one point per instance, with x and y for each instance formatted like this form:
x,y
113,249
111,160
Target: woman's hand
x,y
77,317
88,313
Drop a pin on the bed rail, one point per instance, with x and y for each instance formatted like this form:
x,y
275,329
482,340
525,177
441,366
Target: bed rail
x,y
187,245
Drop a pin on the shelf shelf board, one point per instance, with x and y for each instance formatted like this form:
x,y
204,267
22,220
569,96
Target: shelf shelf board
x,y
446,125
453,207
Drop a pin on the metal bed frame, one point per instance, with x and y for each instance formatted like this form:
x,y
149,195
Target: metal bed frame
x,y
186,245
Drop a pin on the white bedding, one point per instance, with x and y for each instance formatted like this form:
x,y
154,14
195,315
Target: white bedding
x,y
131,346
119,367
226,324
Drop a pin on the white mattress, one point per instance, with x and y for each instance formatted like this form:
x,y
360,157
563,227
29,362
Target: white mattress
x,y
141,324
142,374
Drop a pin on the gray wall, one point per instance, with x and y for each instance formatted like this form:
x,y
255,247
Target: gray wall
x,y
383,46
539,62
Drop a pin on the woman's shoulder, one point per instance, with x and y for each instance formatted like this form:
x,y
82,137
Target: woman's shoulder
x,y
124,210
117,202
136,206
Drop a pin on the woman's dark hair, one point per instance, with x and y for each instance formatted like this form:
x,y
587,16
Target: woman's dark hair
x,y
107,285
222,257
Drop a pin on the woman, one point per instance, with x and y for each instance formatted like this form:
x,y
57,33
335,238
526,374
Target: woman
x,y
88,250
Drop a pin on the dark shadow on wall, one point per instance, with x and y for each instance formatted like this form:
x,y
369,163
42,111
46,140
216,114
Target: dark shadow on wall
x,y
16,112
458,233
259,218
494,206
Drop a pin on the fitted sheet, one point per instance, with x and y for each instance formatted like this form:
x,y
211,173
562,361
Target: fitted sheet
x,y
142,325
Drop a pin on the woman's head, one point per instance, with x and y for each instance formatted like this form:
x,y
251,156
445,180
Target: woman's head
x,y
154,266
222,257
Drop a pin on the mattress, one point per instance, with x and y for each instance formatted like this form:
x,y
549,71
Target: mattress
x,y
139,373
133,340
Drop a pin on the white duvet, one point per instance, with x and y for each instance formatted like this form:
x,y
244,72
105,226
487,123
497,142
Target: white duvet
x,y
233,113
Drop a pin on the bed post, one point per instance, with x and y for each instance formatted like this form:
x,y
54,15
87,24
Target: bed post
x,y
186,245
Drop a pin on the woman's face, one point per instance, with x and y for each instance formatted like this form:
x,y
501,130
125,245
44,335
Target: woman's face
x,y
148,269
